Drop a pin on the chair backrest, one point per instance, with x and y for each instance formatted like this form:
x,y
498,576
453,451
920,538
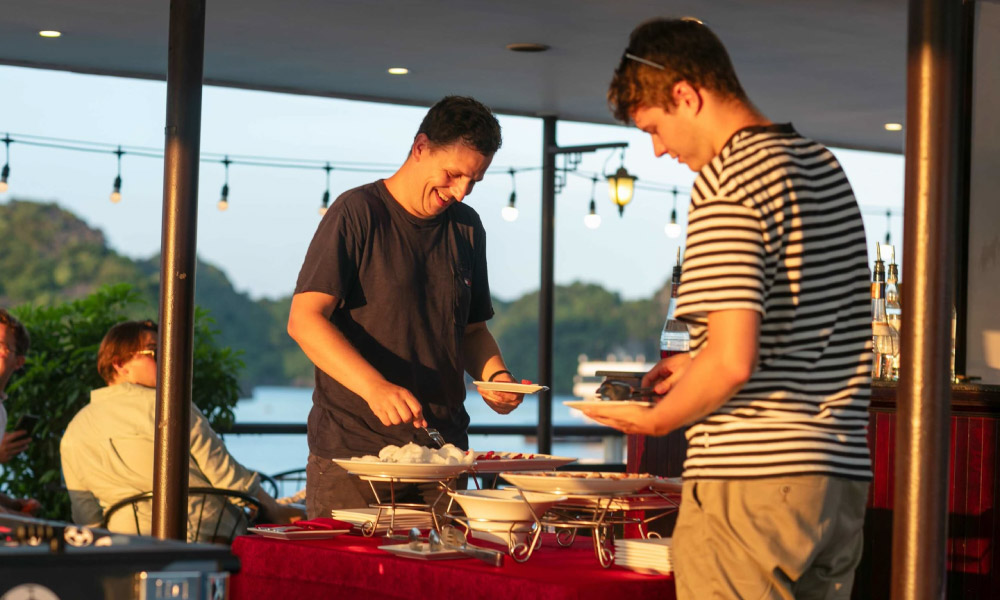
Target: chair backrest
x,y
215,515
289,482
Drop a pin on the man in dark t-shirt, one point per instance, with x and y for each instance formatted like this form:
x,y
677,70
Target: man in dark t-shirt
x,y
391,306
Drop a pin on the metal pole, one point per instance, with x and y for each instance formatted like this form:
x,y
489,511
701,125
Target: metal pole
x,y
546,289
177,267
933,123
965,176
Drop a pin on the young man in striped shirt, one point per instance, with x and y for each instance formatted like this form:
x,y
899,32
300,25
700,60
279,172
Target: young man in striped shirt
x,y
775,293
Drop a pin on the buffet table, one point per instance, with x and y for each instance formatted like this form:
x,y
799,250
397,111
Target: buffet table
x,y
350,566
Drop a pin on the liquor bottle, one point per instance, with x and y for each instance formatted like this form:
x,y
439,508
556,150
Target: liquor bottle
x,y
885,341
675,338
893,309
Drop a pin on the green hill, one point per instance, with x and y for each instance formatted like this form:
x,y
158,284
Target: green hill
x,y
48,254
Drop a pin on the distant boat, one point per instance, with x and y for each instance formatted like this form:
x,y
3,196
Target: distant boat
x,y
586,380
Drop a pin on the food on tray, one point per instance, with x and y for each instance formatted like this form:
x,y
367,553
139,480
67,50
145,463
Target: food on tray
x,y
491,455
412,453
593,475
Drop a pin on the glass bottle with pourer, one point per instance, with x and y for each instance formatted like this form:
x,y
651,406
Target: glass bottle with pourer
x,y
674,339
885,340
893,307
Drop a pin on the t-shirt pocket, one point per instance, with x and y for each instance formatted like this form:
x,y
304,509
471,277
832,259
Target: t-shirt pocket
x,y
463,294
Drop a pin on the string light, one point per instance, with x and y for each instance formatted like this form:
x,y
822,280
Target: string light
x,y
116,189
592,220
5,172
382,169
326,195
888,221
224,199
673,229
509,212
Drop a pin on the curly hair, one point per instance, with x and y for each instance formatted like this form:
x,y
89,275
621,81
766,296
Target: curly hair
x,y
455,118
22,341
120,343
686,50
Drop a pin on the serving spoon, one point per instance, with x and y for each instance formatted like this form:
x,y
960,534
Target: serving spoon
x,y
454,539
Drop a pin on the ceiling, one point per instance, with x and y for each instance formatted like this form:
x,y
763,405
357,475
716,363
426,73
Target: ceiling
x,y
834,68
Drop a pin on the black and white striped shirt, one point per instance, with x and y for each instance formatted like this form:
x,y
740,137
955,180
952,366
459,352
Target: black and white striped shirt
x,y
774,227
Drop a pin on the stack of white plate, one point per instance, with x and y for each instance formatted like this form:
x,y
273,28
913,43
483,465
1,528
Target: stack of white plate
x,y
645,556
403,520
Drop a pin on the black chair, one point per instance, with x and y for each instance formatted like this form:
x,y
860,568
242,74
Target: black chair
x,y
284,481
242,507
270,485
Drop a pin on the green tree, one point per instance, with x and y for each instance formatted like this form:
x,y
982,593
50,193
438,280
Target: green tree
x,y
61,370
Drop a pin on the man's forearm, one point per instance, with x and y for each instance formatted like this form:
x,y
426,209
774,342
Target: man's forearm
x,y
330,351
481,353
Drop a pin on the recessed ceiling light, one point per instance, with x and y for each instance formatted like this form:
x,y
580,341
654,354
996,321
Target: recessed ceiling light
x,y
398,71
893,127
50,33
527,47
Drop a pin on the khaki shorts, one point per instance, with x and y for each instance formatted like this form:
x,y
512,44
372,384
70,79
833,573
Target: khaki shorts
x,y
789,537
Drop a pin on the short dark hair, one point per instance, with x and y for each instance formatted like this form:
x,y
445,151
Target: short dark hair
x,y
22,341
687,50
120,343
460,118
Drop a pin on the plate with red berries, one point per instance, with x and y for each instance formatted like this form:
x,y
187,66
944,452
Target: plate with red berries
x,y
495,462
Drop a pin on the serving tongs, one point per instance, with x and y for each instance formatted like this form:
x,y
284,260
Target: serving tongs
x,y
619,390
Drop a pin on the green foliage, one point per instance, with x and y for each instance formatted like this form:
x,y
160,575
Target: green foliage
x,y
587,320
48,255
61,370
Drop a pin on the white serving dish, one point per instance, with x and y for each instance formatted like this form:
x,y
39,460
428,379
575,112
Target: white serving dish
x,y
418,471
570,483
540,462
506,505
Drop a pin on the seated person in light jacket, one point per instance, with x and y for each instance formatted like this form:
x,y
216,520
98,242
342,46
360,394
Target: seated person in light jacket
x,y
107,451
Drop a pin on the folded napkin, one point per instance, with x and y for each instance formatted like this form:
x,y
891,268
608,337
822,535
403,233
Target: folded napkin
x,y
318,524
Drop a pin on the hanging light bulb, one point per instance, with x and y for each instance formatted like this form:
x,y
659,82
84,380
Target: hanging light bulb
x,y
326,203
621,185
888,227
673,229
224,197
592,220
509,212
5,172
326,195
116,189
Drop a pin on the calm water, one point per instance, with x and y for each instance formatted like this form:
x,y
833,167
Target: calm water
x,y
274,453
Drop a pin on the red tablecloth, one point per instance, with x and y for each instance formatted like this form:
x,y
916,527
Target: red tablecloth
x,y
350,566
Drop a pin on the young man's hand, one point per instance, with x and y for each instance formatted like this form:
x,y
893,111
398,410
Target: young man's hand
x,y
13,443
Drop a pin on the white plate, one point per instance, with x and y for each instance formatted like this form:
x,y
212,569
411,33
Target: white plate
x,y
556,484
375,468
504,505
506,386
604,403
291,532
424,553
540,462
668,485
